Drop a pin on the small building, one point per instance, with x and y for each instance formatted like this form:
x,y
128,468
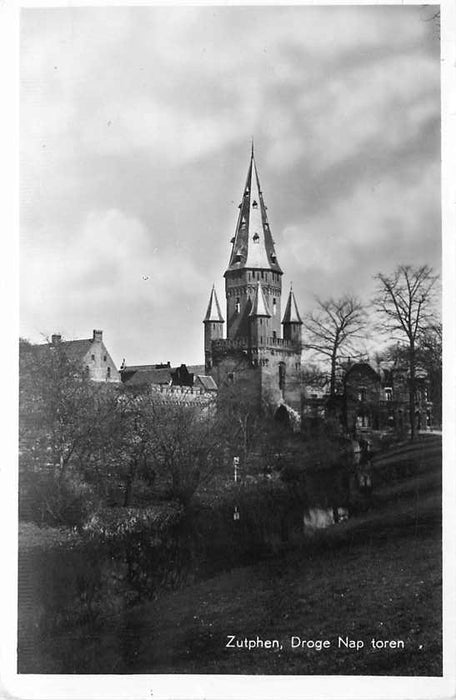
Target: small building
x,y
90,354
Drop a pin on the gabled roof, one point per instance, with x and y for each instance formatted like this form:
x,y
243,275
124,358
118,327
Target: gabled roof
x,y
259,304
213,313
291,314
140,375
147,374
206,381
75,350
253,246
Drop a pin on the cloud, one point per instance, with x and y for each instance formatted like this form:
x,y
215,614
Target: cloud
x,y
372,231
135,131
113,259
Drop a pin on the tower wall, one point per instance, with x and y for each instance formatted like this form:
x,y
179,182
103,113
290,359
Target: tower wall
x,y
240,286
213,330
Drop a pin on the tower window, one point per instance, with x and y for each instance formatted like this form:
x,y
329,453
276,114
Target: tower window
x,y
282,371
274,307
238,306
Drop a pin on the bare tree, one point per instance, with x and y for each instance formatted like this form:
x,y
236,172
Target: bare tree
x,y
334,327
405,303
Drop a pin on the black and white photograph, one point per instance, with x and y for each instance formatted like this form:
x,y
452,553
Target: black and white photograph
x,y
230,343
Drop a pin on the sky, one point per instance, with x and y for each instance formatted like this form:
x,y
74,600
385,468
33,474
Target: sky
x,y
136,128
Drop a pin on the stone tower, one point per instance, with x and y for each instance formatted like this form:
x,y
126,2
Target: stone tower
x,y
213,327
254,353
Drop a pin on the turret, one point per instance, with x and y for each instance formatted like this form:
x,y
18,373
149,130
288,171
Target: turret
x,y
292,323
213,327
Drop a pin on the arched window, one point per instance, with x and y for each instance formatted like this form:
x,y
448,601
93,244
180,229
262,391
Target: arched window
x,y
274,307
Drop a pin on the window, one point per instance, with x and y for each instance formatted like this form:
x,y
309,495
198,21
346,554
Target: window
x,y
256,238
255,204
361,393
274,307
238,306
93,357
104,358
282,371
274,334
108,373
388,394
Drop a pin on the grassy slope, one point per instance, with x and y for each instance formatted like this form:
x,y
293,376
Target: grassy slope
x,y
377,575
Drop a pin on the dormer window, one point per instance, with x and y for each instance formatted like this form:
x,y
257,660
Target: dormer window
x,y
256,238
237,258
273,258
255,204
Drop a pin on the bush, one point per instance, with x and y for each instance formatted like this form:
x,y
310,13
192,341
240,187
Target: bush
x,y
49,500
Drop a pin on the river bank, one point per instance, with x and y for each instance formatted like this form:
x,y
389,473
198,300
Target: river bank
x,y
375,576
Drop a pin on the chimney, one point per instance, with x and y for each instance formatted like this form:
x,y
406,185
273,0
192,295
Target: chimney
x,y
56,338
97,336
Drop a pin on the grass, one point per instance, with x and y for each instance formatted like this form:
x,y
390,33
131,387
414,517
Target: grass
x,y
377,575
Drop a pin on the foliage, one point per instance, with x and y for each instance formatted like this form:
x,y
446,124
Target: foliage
x,y
405,303
60,412
334,327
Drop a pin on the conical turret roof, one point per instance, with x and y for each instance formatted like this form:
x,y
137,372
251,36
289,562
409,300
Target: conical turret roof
x,y
213,313
259,305
291,314
253,246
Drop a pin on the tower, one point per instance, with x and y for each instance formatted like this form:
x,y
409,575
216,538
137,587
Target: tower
x,y
254,354
253,259
213,327
292,323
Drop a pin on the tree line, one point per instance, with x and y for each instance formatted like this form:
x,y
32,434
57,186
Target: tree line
x,y
84,445
405,315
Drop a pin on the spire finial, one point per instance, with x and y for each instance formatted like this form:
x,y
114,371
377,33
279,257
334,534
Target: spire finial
x,y
291,286
253,148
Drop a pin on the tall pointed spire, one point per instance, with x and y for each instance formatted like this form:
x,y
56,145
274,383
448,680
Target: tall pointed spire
x,y
253,246
213,313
